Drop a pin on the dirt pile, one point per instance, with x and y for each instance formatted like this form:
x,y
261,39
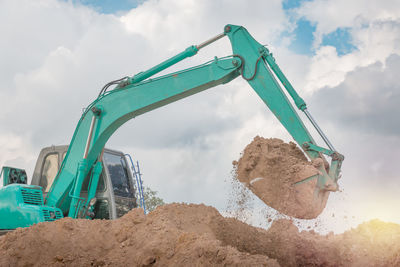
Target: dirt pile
x,y
195,235
172,235
374,243
270,167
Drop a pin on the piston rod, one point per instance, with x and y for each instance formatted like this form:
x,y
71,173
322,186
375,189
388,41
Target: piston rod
x,y
209,41
85,154
323,136
188,52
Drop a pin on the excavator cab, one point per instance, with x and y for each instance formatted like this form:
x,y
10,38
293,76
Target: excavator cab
x,y
115,194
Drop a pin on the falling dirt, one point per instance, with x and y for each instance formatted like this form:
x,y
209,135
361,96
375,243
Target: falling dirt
x,y
195,235
270,168
240,200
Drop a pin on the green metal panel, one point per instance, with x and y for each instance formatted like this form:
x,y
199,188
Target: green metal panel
x,y
190,51
123,104
22,206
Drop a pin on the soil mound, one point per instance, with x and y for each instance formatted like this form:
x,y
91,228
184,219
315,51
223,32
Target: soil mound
x,y
373,243
271,167
172,235
195,235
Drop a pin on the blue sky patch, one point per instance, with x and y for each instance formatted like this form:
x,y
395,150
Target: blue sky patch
x,y
303,33
110,6
341,39
303,37
290,4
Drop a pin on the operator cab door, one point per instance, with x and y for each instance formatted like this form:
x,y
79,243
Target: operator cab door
x,y
121,182
47,166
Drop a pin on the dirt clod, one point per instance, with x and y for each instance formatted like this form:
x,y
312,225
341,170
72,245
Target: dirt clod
x,y
270,168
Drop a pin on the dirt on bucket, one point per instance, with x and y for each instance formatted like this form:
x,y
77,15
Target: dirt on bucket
x,y
271,167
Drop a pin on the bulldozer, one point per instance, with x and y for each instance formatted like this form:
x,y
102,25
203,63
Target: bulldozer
x,y
81,180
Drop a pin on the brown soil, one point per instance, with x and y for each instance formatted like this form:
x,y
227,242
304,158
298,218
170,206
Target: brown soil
x,y
172,235
270,168
195,235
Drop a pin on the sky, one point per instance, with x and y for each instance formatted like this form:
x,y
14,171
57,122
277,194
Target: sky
x,y
341,56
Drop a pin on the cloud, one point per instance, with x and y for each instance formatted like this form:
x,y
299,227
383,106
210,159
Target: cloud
x,y
179,22
366,101
374,43
372,32
61,54
332,14
46,96
361,120
16,151
58,55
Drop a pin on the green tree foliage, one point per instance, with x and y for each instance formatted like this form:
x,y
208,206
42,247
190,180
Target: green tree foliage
x,y
151,199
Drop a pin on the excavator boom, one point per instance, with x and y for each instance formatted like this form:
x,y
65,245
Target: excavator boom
x,y
139,94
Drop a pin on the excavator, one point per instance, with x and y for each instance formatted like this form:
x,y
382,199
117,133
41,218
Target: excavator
x,y
80,188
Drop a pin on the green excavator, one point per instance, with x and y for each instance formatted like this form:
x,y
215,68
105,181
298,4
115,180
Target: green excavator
x,y
82,188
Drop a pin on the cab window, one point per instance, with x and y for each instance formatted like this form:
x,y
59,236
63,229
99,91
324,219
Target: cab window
x,y
119,177
101,187
49,171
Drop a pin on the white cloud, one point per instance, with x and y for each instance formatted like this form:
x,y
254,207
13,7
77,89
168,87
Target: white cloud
x,y
181,22
16,151
332,14
364,126
367,100
70,52
375,39
58,56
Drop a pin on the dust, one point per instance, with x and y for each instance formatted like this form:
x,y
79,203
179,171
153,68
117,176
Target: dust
x,y
244,206
270,168
240,200
195,235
